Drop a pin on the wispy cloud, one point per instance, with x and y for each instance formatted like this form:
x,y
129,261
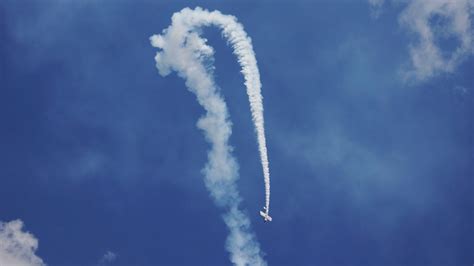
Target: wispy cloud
x,y
435,24
16,246
376,7
107,258
427,57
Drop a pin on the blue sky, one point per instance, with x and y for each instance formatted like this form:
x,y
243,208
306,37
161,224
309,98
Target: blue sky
x,y
371,156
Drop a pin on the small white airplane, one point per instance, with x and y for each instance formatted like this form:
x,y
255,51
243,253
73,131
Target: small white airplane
x,y
265,216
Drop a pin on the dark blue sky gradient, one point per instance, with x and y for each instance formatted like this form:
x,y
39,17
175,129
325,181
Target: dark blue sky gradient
x,y
99,152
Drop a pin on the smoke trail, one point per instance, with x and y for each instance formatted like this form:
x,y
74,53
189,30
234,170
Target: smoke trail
x,y
184,51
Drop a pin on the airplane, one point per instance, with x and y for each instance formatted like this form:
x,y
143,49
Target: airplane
x,y
265,216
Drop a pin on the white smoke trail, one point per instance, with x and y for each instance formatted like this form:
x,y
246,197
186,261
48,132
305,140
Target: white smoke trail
x,y
184,51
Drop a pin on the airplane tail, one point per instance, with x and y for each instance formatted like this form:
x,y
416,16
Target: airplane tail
x,y
268,218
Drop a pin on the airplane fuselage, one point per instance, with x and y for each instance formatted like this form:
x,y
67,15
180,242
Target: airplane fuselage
x,y
266,217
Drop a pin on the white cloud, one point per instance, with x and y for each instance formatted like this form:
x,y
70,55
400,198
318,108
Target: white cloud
x,y
376,7
427,57
434,22
107,258
17,247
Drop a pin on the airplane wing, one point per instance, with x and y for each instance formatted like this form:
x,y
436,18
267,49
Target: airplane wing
x,y
265,216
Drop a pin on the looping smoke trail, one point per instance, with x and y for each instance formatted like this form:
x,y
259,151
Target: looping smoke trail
x,y
184,51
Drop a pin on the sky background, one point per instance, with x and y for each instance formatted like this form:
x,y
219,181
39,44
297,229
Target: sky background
x,y
101,155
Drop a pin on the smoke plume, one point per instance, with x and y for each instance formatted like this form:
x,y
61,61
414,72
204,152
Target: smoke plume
x,y
183,50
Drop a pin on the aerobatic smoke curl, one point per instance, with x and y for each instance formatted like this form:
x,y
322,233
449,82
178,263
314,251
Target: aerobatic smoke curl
x,y
184,51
